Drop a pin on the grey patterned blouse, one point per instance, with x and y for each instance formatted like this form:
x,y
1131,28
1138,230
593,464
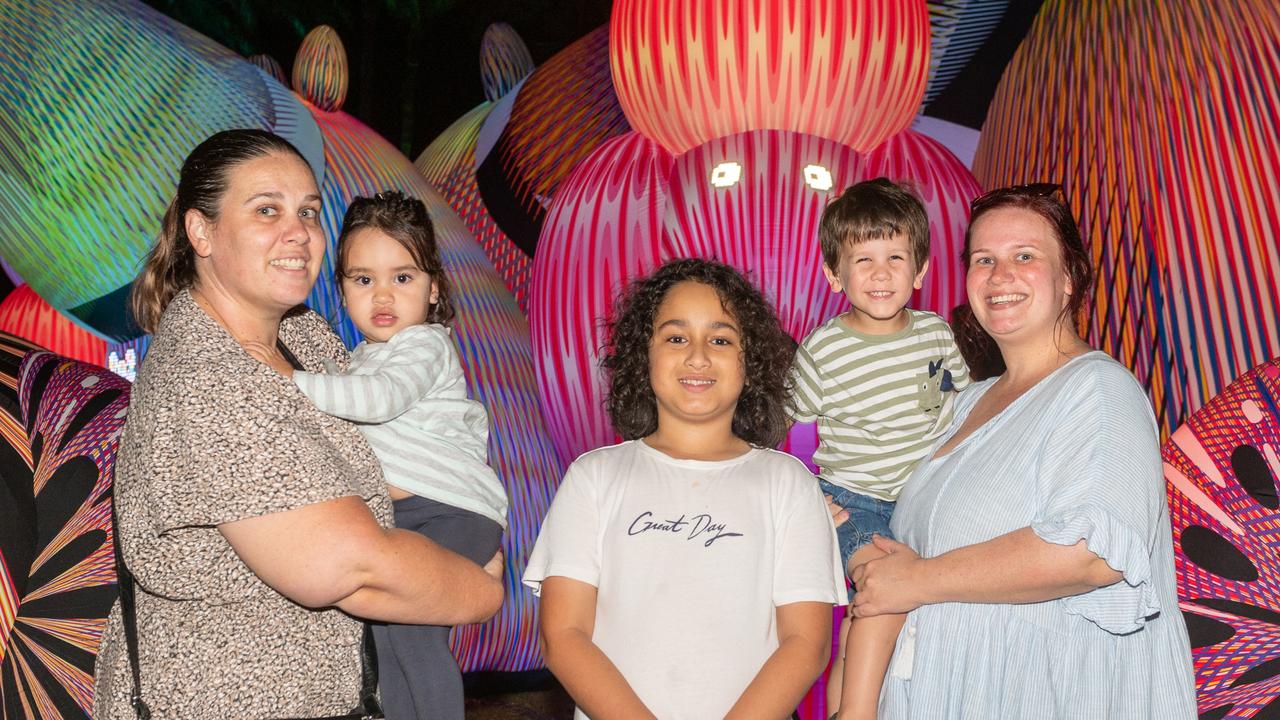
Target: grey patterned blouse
x,y
214,436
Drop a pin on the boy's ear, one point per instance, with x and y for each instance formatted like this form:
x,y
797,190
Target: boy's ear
x,y
920,275
832,279
198,229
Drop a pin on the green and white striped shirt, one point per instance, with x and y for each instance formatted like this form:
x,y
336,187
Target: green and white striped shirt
x,y
879,400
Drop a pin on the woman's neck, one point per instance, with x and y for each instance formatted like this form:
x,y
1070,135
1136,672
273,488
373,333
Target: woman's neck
x,y
246,326
697,443
1028,363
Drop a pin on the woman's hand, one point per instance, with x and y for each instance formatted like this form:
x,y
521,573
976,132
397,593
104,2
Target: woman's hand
x,y
890,584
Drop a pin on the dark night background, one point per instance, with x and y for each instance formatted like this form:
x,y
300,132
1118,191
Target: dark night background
x,y
414,66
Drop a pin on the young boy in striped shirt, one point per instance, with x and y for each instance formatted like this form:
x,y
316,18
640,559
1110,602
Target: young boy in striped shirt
x,y
879,380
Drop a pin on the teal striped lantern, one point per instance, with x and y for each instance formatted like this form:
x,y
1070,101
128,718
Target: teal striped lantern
x,y
101,103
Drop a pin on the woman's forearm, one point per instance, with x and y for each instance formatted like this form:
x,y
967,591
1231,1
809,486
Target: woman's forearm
x,y
334,553
1017,567
412,580
590,677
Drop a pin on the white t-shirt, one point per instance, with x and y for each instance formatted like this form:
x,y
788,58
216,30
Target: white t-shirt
x,y
690,560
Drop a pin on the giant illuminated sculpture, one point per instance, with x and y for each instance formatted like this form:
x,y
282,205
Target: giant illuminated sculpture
x,y
1160,121
749,117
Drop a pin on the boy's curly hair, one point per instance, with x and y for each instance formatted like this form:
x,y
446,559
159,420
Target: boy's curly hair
x,y
760,417
404,219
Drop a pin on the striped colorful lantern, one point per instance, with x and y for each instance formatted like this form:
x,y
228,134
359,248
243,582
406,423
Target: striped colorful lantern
x,y
753,200
500,164
113,95
688,71
1162,126
946,187
492,337
449,165
957,29
25,314
562,112
1222,468
504,60
604,228
270,66
320,69
73,414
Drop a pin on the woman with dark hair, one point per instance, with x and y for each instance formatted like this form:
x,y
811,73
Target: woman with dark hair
x,y
254,525
1036,560
690,571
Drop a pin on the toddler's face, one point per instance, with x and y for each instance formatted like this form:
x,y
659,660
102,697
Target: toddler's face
x,y
878,277
384,291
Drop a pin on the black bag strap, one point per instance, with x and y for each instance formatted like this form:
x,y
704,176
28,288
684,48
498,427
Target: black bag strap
x,y
369,707
128,614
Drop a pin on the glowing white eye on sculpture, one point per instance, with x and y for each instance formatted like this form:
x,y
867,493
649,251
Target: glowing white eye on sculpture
x,y
817,177
726,174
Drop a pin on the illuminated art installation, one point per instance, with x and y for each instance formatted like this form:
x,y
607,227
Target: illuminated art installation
x,y
1222,468
17,503
490,332
61,571
500,165
101,103
752,195
1160,119
958,28
25,314
449,162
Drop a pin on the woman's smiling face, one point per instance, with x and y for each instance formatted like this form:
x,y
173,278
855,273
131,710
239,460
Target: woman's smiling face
x,y
266,246
1017,286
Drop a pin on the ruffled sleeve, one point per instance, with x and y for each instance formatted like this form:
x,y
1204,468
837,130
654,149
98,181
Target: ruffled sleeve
x,y
1125,606
1100,481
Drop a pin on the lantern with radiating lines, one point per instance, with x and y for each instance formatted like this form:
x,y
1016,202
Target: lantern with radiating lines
x,y
689,71
1222,467
1161,122
745,187
99,109
25,314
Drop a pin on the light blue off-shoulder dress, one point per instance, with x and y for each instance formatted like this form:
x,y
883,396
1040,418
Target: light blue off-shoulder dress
x,y
1076,457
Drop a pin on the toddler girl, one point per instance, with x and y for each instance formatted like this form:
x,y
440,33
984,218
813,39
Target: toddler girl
x,y
406,391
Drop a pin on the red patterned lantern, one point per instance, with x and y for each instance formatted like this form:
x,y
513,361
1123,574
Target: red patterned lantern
x,y
27,315
689,71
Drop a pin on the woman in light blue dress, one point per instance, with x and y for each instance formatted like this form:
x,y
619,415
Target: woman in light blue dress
x,y
1036,560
